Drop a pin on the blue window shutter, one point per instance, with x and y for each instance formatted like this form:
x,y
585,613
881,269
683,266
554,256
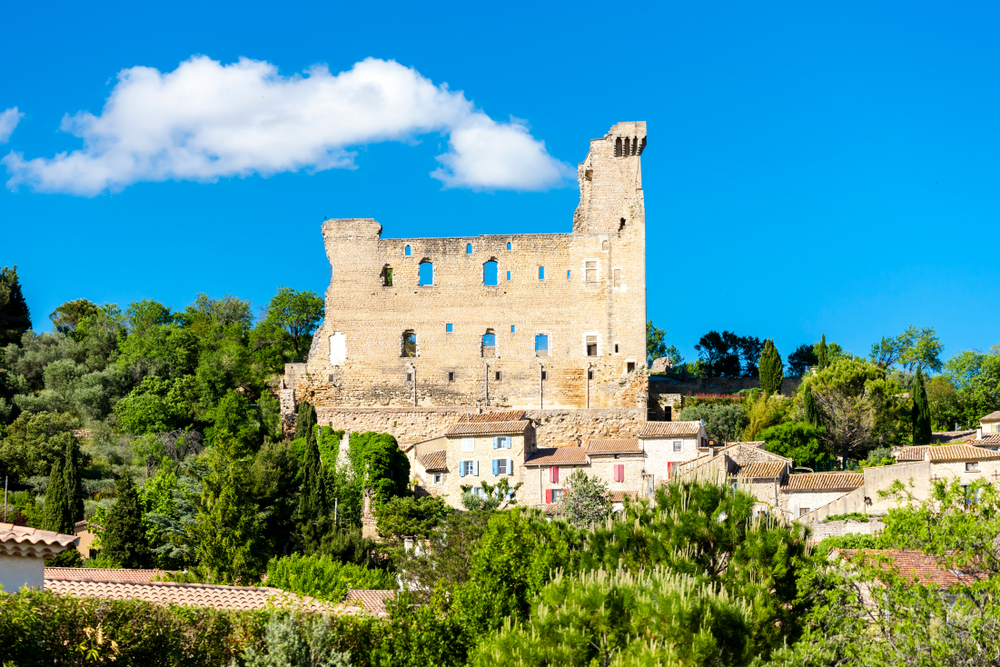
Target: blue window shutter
x,y
495,466
461,468
495,443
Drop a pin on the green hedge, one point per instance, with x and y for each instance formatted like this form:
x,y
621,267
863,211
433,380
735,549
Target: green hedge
x,y
323,577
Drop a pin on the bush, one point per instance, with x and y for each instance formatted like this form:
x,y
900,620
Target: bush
x,y
324,578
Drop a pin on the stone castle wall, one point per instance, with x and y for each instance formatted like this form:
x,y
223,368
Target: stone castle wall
x,y
593,289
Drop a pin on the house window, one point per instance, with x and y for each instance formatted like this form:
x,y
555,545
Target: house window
x,y
541,273
553,495
407,251
438,477
426,273
541,347
468,468
489,348
386,276
508,245
591,269
490,272
409,344
591,346
618,456
803,511
502,466
451,376
468,248
677,445
972,466
569,274
554,475
502,442
620,473
448,328
468,444
508,275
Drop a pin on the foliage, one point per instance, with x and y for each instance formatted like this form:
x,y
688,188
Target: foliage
x,y
585,501
720,353
155,406
880,456
771,373
305,421
323,577
850,516
379,464
406,516
488,497
444,560
822,353
297,314
296,642
921,412
712,399
15,319
802,358
604,618
34,442
656,345
914,349
123,540
57,514
724,423
810,411
329,446
763,411
799,441
67,317
975,377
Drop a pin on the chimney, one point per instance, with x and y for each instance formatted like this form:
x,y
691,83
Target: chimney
x,y
927,454
979,432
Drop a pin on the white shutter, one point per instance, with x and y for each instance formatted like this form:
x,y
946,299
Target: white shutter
x,y
475,468
510,466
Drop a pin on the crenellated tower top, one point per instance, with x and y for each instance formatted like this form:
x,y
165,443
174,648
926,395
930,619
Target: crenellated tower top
x,y
611,181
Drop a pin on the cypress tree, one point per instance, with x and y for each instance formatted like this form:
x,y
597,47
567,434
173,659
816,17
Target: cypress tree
x,y
809,408
822,354
15,318
305,421
57,514
770,368
313,502
921,412
124,538
74,485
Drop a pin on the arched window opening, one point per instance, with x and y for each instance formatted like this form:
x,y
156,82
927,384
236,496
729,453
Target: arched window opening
x,y
489,344
409,344
468,248
618,147
604,246
626,146
635,145
426,272
490,272
508,245
541,345
386,276
407,251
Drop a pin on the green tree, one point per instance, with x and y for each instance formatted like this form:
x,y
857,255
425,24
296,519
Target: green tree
x,y
724,423
750,348
921,412
489,497
123,541
656,345
74,484
406,516
914,349
66,317
586,500
771,373
379,465
238,424
799,441
810,411
323,577
298,314
444,560
802,358
305,421
15,319
976,378
34,442
763,411
314,500
822,353
720,354
297,641
58,514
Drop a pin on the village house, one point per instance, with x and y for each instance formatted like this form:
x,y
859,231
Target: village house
x,y
23,552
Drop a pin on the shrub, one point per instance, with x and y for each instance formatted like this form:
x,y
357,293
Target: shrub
x,y
324,578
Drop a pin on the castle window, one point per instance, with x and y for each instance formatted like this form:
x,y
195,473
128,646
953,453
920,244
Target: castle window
x,y
618,147
621,225
616,348
590,374
569,274
426,273
541,273
591,346
489,344
409,344
407,251
545,375
626,146
591,268
468,248
508,275
508,245
386,276
541,346
490,272
451,376
618,278
630,367
448,328
497,376
512,328
604,246
409,377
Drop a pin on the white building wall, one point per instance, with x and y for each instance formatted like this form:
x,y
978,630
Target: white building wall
x,y
659,452
19,571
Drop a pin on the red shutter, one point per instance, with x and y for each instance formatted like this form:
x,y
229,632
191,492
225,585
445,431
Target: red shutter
x,y
554,474
670,470
548,495
620,473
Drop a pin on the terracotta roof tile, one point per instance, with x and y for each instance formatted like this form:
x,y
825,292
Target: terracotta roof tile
x,y
614,446
435,461
991,418
196,595
824,481
946,453
915,566
32,542
953,437
758,469
371,600
987,439
668,429
486,417
619,496
102,574
488,428
552,456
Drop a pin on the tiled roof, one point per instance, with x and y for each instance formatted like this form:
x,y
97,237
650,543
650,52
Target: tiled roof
x,y
991,418
762,469
915,566
619,496
486,417
32,542
953,437
824,481
670,429
196,595
488,428
435,461
552,456
987,439
370,600
614,446
946,453
102,574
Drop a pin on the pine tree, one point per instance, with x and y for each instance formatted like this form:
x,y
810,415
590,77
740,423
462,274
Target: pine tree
x,y
921,412
57,514
770,368
74,485
313,496
305,421
15,318
809,407
228,528
822,354
124,538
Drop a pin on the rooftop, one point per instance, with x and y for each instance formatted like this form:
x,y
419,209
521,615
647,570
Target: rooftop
x,y
915,566
760,469
670,429
435,461
371,600
614,446
991,418
33,542
824,481
940,453
485,417
102,574
489,428
552,456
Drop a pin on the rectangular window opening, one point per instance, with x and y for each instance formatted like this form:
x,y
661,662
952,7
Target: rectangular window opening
x,y
630,367
590,375
437,478
569,274
497,376
972,466
618,277
616,348
591,269
508,275
512,328
448,328
677,445
409,377
468,444
541,273
591,346
545,375
451,376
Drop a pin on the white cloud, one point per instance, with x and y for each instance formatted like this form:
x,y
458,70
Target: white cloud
x,y
8,121
206,120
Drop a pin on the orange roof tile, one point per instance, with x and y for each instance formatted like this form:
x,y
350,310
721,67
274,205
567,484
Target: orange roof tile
x,y
915,566
488,428
435,461
824,481
102,574
486,417
557,456
619,496
668,429
991,418
32,542
946,453
614,446
762,469
372,600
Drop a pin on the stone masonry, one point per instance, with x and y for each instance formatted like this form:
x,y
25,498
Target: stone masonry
x,y
415,331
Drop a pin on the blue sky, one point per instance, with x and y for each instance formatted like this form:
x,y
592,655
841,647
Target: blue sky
x,y
809,169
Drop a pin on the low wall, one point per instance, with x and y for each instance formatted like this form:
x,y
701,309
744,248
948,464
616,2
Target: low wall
x,y
821,531
554,428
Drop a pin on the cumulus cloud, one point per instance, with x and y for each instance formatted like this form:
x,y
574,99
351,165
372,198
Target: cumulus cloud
x,y
8,121
206,120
